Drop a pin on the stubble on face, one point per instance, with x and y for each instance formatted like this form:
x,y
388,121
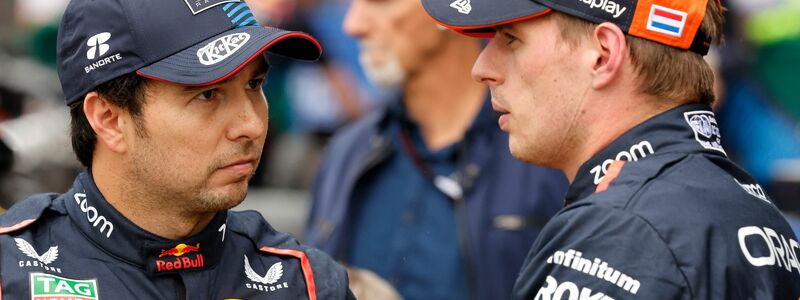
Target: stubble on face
x,y
187,186
547,95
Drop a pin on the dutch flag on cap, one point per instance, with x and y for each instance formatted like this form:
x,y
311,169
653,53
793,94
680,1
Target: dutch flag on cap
x,y
666,20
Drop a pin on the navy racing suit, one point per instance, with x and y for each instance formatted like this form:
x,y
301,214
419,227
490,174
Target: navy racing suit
x,y
662,213
76,246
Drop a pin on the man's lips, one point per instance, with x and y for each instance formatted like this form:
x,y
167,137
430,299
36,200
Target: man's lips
x,y
503,120
498,108
245,165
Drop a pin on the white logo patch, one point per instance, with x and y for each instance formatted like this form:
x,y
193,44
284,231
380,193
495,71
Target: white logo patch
x,y
782,251
754,189
463,6
48,257
611,7
41,261
566,290
267,282
93,216
221,48
636,152
198,6
97,45
595,268
705,129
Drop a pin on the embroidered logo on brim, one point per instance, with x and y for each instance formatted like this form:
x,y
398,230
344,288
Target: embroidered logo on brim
x,y
705,129
198,6
221,48
666,20
46,286
462,6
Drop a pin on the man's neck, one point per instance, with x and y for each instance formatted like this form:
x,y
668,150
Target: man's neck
x,y
141,208
442,97
609,122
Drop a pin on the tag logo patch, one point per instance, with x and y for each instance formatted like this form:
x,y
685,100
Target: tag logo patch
x,y
666,20
463,6
198,6
221,48
46,286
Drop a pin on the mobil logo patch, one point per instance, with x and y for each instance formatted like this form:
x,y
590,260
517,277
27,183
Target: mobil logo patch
x,y
666,20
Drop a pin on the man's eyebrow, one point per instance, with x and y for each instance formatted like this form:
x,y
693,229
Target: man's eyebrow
x,y
505,28
262,69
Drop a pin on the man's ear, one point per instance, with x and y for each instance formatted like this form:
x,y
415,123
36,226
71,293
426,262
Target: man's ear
x,y
612,50
106,120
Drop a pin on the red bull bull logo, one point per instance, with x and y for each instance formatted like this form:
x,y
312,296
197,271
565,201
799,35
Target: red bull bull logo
x,y
180,262
180,250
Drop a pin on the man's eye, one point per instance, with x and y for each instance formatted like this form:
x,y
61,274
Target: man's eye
x,y
207,95
510,38
254,84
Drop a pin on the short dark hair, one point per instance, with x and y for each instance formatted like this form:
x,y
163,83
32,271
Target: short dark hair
x,y
126,92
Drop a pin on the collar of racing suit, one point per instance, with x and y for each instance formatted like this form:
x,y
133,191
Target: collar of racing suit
x,y
118,236
689,128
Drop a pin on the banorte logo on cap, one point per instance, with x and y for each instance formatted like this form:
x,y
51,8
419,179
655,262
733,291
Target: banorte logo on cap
x,y
221,48
97,43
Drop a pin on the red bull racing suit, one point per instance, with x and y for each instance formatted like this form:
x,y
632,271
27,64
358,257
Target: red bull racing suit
x,y
662,213
76,246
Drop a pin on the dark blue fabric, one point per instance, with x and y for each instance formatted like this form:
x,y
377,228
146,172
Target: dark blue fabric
x,y
679,221
89,240
143,33
497,187
419,222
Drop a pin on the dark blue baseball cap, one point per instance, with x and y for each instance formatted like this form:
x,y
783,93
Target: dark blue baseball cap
x,y
674,23
186,42
477,18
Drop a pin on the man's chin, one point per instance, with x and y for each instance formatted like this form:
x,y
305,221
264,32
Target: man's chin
x,y
226,197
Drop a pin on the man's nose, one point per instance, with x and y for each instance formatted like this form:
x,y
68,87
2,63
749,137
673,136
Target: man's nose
x,y
486,69
250,122
355,21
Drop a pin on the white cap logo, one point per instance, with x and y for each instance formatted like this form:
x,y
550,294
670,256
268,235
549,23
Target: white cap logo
x,y
463,6
221,48
98,41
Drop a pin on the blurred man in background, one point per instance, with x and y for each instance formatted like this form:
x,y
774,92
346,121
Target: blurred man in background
x,y
424,193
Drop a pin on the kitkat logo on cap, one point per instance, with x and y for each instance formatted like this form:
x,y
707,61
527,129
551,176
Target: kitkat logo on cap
x,y
221,48
666,20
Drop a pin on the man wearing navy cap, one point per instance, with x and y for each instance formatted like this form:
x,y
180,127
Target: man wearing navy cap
x,y
617,95
169,119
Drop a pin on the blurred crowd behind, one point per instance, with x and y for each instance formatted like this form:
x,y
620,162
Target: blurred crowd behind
x,y
758,108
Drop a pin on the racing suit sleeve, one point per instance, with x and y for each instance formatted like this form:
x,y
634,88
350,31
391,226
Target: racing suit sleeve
x,y
600,252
